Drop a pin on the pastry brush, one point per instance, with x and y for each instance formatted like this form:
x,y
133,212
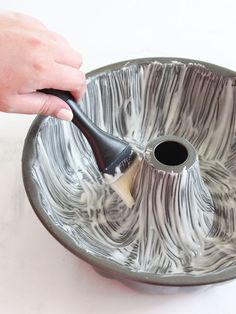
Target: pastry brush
x,y
116,159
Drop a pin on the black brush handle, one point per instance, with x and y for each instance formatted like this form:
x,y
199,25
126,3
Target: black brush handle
x,y
105,147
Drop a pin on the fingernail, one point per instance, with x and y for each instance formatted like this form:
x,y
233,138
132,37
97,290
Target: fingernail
x,y
65,114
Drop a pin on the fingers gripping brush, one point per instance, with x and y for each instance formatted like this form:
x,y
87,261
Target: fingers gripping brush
x,y
116,159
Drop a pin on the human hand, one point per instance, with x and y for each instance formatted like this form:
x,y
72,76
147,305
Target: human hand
x,y
33,58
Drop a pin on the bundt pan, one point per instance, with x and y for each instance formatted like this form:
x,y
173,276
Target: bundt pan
x,y
179,115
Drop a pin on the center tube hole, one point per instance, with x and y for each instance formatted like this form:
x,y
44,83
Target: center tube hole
x,y
171,153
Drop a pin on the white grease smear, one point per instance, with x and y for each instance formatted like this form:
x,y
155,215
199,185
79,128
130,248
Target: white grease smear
x,y
181,223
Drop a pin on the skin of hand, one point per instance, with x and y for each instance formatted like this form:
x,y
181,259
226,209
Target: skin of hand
x,y
33,58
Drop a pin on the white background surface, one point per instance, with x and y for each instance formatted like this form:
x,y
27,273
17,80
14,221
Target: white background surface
x,y
37,275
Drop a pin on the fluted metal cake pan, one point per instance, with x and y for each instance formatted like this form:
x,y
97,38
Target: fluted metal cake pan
x,y
181,231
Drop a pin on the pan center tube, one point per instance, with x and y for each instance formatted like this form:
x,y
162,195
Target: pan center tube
x,y
171,153
177,209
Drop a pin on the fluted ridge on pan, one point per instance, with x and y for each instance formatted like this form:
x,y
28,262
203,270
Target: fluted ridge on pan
x,y
140,103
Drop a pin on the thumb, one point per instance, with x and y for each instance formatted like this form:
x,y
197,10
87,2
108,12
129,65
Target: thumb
x,y
40,103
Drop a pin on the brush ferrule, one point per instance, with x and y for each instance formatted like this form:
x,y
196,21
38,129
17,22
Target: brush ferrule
x,y
122,162
120,165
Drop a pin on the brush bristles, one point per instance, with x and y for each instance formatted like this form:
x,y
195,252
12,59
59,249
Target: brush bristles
x,y
123,186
